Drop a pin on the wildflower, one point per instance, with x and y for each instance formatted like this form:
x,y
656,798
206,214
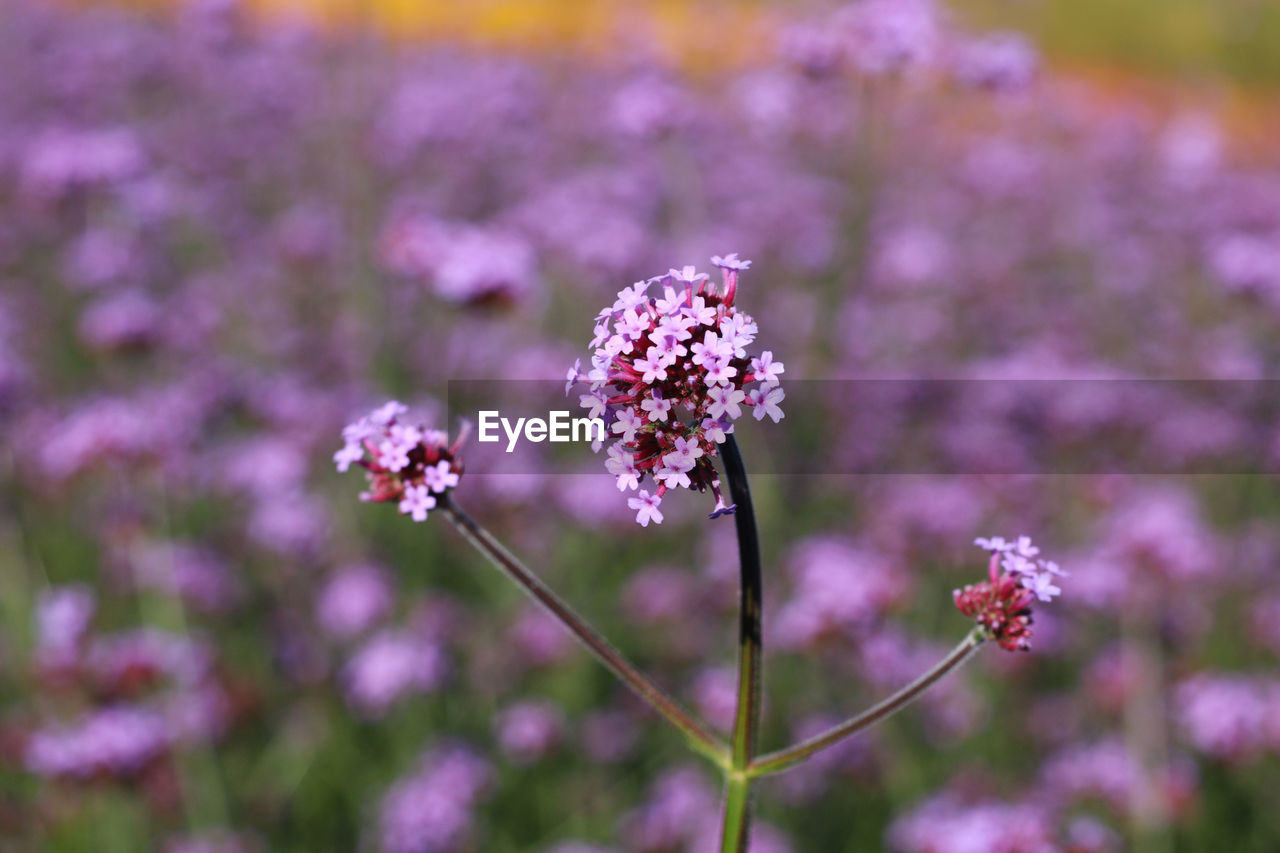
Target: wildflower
x,y
999,61
62,619
1017,575
431,808
116,741
529,731
390,665
353,600
646,507
413,466
671,374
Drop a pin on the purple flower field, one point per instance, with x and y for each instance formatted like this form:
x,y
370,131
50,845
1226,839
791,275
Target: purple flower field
x,y
918,284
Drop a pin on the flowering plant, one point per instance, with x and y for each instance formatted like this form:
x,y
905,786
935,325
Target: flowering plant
x,y
670,374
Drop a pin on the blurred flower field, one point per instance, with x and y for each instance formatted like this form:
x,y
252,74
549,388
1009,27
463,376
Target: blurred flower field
x,y
1006,301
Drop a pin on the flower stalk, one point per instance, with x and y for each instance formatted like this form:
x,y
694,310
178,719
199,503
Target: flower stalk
x,y
696,733
746,725
783,759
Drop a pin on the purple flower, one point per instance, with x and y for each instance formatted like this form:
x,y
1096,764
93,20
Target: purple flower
x,y
999,61
429,811
405,464
389,666
646,507
730,262
416,501
353,601
946,825
672,404
529,731
62,618
119,740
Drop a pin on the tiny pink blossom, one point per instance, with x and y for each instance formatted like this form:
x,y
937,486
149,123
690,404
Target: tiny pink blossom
x,y
766,402
439,477
646,507
416,501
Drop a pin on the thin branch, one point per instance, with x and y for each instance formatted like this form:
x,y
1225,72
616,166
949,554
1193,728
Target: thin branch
x,y
774,762
699,736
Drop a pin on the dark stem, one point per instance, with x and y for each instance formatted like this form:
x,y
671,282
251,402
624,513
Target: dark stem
x,y
698,735
746,723
792,755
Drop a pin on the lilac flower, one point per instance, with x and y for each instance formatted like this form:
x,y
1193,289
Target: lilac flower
x,y
730,262
529,731
766,400
62,618
1002,603
946,825
765,369
353,600
467,264
999,61
672,816
430,810
417,500
1020,559
61,160
672,404
838,588
119,740
1228,716
405,464
646,507
126,661
389,666
890,36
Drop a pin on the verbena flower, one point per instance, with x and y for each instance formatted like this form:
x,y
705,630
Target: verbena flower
x,y
1017,575
114,741
411,465
430,810
669,375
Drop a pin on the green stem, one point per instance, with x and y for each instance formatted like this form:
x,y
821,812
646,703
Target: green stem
x,y
737,813
746,723
700,738
774,762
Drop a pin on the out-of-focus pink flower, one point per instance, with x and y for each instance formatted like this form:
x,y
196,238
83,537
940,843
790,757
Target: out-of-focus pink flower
x,y
62,619
529,731
944,824
353,600
117,741
430,810
389,666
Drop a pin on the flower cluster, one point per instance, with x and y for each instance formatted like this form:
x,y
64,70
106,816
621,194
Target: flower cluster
x,y
404,463
1017,575
670,375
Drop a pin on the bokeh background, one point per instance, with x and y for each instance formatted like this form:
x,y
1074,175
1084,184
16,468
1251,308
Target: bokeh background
x,y
229,228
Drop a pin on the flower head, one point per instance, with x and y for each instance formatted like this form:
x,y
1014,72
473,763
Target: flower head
x,y
669,373
411,465
1017,576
